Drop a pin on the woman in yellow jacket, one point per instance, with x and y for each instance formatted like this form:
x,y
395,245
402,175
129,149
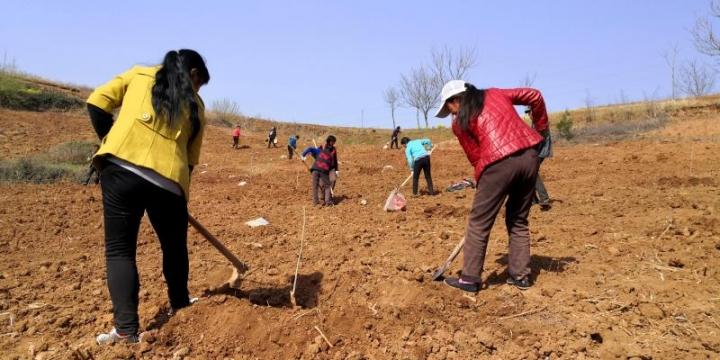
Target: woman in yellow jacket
x,y
145,161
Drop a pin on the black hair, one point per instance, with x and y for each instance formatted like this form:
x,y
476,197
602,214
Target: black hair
x,y
297,136
173,94
405,140
471,106
398,127
330,139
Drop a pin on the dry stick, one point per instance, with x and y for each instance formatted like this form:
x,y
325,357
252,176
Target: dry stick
x,y
297,267
323,336
524,313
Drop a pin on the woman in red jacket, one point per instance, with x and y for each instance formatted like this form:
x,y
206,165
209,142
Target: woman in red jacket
x,y
502,149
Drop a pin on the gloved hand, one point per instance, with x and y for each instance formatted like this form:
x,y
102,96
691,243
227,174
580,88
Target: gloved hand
x,y
302,158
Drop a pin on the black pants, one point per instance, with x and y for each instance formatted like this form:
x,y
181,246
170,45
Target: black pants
x,y
271,142
394,141
236,142
126,197
424,165
291,150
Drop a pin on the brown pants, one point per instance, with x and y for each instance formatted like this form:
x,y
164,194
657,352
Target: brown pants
x,y
320,179
513,178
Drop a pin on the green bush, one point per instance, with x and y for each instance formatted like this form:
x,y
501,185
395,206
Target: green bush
x,y
64,161
564,126
14,94
27,170
73,152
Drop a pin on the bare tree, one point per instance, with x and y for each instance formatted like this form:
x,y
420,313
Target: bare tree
x,y
706,41
227,111
391,97
528,80
696,79
670,55
420,90
447,65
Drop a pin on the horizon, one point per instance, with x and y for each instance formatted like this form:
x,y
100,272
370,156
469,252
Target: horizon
x,y
329,64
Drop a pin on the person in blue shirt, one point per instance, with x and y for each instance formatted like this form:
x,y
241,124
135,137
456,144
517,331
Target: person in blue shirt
x,y
418,159
314,152
292,145
311,150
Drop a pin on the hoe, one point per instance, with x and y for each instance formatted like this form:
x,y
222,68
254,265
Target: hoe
x,y
238,266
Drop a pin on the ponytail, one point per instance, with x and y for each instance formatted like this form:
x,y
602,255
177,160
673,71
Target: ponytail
x,y
472,104
173,95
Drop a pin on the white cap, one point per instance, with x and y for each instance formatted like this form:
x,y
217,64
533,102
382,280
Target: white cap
x,y
451,88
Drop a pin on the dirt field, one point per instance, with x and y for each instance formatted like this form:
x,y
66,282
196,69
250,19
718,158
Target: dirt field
x,y
625,265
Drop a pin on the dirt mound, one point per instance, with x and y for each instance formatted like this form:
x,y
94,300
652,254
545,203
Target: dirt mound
x,y
440,210
625,265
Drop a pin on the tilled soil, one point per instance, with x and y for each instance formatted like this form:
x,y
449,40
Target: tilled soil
x,y
624,265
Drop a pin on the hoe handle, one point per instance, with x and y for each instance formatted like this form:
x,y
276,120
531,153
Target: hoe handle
x,y
241,267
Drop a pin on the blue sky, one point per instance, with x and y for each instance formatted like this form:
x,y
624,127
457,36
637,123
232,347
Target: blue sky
x,y
328,62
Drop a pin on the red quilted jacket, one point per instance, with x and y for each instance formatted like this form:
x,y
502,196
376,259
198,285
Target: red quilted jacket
x,y
498,131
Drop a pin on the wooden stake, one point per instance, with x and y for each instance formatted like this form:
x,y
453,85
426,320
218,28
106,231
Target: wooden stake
x,y
297,267
323,336
524,313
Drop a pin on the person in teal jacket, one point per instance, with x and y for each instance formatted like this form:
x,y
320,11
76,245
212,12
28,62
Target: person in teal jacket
x,y
418,159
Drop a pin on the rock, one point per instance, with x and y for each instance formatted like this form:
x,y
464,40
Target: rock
x,y
272,271
181,353
313,348
651,311
363,202
613,251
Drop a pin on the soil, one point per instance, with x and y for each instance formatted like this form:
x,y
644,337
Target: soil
x,y
625,264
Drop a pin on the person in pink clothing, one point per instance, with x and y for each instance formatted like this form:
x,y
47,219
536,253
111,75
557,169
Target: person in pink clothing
x,y
236,137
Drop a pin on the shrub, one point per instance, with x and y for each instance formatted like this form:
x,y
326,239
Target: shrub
x,y
564,126
73,152
26,170
14,94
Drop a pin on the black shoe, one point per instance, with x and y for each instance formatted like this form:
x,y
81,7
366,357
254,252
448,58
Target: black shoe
x,y
522,284
455,283
545,207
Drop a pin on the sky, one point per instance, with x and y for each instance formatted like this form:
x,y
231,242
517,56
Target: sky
x,y
329,62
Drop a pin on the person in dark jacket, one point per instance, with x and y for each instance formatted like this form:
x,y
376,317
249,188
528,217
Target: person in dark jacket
x,y
325,163
394,138
544,151
502,148
271,137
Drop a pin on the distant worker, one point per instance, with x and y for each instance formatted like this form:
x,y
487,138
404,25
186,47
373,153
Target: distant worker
x,y
91,168
146,158
418,158
541,196
503,151
394,138
271,137
325,164
314,152
292,145
236,137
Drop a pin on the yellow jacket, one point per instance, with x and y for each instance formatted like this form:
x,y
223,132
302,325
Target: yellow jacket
x,y
138,136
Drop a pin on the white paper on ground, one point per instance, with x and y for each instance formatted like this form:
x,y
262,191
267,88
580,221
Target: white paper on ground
x,y
257,222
